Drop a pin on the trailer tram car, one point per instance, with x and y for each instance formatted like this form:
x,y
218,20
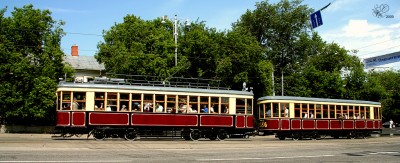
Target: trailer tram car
x,y
131,110
302,117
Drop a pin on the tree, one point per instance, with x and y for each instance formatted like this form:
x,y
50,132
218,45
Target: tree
x,y
31,65
147,48
278,28
384,86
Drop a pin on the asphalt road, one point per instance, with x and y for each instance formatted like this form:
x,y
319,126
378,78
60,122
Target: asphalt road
x,y
41,148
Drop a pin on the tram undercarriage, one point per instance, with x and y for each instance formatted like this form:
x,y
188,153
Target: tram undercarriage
x,y
299,135
100,133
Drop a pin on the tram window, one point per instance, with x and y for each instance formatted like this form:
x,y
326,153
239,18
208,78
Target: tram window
x,y
182,103
225,105
171,104
311,108
193,104
204,103
215,104
362,112
79,102
318,111
160,100
261,111
284,109
99,100
66,100
240,106
345,111
357,112
376,113
367,114
304,110
59,101
275,109
249,106
124,102
332,111
297,110
325,111
268,110
111,102
148,103
339,112
136,102
351,112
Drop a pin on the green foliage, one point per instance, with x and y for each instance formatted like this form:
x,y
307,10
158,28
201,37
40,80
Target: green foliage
x,y
385,87
31,65
147,48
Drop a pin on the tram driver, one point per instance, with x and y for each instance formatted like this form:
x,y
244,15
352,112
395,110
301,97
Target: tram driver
x,y
269,113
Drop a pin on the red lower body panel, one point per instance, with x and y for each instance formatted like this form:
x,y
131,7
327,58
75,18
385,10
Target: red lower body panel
x,y
104,118
272,124
296,124
285,124
240,121
322,124
63,118
78,119
348,124
308,124
164,120
250,122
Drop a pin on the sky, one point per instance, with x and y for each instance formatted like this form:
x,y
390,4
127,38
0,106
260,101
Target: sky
x,y
352,24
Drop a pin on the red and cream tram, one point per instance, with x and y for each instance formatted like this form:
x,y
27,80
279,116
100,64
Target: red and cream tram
x,y
132,110
303,117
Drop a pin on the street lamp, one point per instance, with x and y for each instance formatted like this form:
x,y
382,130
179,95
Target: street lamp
x,y
175,34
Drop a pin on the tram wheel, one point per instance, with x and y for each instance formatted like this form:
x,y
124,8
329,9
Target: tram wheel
x,y
296,136
186,137
99,135
281,137
365,135
213,136
222,135
194,135
130,135
351,135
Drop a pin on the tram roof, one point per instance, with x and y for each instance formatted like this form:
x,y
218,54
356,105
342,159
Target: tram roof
x,y
312,99
151,88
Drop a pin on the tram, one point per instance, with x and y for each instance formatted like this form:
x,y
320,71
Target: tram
x,y
303,117
118,108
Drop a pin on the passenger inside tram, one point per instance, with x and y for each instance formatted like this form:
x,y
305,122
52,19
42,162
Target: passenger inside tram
x,y
182,108
148,107
311,115
305,115
205,109
136,106
286,112
75,104
212,108
123,108
159,108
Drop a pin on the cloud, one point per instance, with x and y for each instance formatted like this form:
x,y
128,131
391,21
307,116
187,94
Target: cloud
x,y
361,28
369,39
